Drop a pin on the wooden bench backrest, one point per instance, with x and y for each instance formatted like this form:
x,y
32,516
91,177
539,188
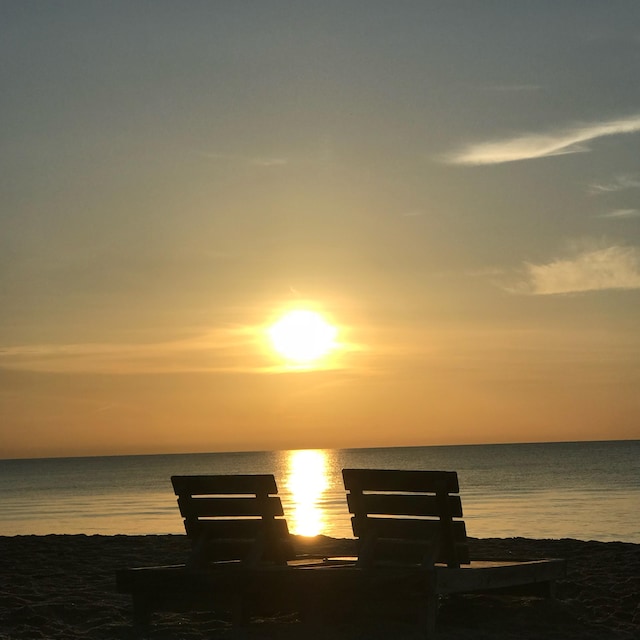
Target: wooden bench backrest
x,y
406,516
233,517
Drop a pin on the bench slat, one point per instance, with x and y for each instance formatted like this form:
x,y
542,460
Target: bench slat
x,y
400,504
220,484
241,529
407,529
202,507
404,481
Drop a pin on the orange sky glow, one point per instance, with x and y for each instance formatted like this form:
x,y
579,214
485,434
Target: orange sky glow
x,y
454,192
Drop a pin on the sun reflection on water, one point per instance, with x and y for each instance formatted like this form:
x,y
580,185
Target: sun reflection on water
x,y
307,480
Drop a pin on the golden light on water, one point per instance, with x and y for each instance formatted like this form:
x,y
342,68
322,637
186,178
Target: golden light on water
x,y
307,481
302,336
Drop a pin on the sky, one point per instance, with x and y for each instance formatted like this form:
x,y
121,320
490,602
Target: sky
x,y
454,185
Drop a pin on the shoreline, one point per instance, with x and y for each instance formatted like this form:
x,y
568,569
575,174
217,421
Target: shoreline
x,y
63,586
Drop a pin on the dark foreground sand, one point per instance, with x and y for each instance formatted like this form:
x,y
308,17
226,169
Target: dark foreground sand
x,y
64,587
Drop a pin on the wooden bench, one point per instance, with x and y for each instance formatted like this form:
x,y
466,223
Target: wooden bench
x,y
235,523
409,528
233,518
409,532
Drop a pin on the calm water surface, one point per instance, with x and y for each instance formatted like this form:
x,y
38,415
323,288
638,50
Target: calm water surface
x,y
588,490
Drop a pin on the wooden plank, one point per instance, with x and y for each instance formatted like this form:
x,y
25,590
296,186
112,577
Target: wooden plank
x,y
400,480
237,528
405,529
255,484
480,576
401,504
219,507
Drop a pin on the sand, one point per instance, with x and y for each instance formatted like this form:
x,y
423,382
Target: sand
x,y
64,587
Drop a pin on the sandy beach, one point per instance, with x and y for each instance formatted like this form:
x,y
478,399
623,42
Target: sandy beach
x,y
64,587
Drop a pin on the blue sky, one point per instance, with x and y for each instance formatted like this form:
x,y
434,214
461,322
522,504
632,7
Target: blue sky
x,y
456,185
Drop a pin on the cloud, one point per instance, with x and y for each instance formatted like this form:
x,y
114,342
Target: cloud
x,y
508,88
223,350
256,161
621,213
614,267
620,183
241,350
572,139
268,162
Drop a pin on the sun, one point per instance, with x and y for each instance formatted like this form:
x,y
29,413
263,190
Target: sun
x,y
302,336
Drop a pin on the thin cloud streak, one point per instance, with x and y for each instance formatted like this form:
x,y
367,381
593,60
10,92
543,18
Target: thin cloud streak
x,y
256,161
620,183
269,162
516,88
232,351
222,350
614,267
621,213
530,146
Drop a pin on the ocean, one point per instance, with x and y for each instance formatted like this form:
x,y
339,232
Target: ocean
x,y
582,490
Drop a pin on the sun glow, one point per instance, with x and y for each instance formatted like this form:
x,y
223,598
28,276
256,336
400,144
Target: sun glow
x,y
302,336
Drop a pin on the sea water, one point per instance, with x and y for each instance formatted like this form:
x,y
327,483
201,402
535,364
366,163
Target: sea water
x,y
583,490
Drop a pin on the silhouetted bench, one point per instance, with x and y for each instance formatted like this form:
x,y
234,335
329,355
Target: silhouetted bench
x,y
411,538
235,523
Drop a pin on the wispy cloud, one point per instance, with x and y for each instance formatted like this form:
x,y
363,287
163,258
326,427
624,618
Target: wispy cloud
x,y
515,88
614,267
222,350
621,213
256,161
269,162
241,350
619,183
572,139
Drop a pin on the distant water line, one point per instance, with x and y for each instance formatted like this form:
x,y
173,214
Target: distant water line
x,y
584,490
